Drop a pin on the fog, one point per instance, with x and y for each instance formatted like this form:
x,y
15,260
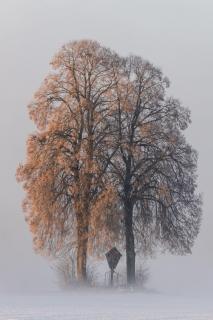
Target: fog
x,y
175,35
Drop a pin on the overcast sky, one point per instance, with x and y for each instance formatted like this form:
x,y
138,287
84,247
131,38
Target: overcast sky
x,y
176,35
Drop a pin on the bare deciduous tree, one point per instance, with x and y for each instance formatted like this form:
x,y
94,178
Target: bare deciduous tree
x,y
65,269
142,275
154,168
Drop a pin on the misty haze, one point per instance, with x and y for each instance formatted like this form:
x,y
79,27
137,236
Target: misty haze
x,y
106,159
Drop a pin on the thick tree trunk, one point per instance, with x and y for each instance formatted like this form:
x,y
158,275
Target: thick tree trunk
x,y
130,244
82,253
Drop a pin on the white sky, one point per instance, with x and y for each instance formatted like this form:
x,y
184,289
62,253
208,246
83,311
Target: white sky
x,y
176,35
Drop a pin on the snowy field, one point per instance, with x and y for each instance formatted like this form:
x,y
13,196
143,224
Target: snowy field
x,y
105,306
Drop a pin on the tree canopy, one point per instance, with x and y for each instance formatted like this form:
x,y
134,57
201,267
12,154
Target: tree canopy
x,y
108,158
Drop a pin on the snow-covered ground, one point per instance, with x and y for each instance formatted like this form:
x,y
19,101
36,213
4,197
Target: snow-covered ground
x,y
119,305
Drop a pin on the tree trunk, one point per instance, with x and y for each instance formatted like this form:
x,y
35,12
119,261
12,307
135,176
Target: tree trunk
x,y
130,244
82,254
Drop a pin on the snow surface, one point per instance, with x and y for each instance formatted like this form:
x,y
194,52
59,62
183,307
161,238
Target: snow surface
x,y
119,305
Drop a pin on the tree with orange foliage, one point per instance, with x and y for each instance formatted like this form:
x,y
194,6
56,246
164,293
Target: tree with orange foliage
x,y
64,175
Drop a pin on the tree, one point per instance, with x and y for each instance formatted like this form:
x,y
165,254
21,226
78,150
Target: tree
x,y
64,175
154,168
64,268
108,158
